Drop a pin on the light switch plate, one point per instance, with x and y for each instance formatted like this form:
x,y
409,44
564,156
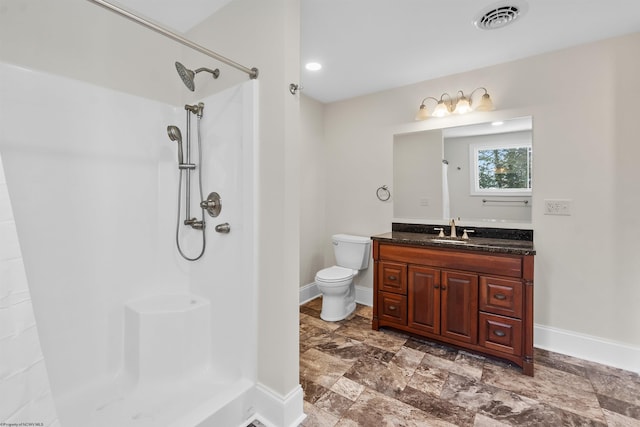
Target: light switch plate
x,y
557,206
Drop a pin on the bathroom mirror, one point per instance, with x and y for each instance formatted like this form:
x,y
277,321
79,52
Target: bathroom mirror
x,y
478,173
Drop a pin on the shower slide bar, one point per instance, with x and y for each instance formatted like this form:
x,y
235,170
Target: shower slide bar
x,y
252,72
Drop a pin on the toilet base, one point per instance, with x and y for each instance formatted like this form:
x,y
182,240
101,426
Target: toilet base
x,y
331,313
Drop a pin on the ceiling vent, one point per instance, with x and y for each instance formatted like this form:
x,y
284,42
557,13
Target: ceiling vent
x,y
499,15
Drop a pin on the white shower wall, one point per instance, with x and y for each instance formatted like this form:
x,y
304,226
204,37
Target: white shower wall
x,y
226,274
93,179
81,164
24,386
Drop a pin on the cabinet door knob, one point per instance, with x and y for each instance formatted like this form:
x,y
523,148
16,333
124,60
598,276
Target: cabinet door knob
x,y
500,296
499,333
444,288
392,277
436,287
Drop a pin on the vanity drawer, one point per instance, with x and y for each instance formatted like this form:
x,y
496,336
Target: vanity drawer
x,y
501,296
392,308
392,277
501,333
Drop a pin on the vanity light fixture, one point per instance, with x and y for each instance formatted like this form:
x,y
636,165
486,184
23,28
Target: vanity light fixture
x,y
460,105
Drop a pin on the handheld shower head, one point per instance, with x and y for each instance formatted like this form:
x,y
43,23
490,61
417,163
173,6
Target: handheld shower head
x,y
187,75
176,135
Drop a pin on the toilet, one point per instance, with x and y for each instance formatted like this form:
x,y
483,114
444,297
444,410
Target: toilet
x,y
336,283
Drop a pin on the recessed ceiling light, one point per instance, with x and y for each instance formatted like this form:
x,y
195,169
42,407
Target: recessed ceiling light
x,y
497,123
313,66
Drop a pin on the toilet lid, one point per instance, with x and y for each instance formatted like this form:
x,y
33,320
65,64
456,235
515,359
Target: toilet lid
x,y
334,274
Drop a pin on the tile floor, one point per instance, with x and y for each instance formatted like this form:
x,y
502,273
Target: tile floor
x,y
354,376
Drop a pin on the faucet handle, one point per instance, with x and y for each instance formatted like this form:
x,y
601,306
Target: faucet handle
x,y
441,231
465,236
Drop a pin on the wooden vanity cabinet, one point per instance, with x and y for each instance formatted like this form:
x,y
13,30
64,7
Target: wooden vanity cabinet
x,y
475,300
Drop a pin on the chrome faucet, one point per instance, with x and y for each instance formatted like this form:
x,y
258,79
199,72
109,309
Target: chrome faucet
x,y
452,223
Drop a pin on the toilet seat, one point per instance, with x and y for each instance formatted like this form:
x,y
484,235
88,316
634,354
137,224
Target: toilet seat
x,y
334,274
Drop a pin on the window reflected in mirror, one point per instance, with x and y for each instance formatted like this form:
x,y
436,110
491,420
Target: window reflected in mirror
x,y
501,169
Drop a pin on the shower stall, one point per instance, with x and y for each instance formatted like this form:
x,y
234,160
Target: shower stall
x,y
85,100
129,333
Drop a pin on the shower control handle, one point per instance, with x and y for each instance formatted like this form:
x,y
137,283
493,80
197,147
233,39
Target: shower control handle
x,y
213,204
194,223
223,228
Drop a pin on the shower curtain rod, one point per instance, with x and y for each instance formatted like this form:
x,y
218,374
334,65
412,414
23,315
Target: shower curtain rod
x,y
253,72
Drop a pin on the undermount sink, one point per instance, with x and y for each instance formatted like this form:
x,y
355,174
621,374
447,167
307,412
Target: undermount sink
x,y
451,241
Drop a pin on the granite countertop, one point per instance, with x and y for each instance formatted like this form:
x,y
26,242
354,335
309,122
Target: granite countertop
x,y
477,244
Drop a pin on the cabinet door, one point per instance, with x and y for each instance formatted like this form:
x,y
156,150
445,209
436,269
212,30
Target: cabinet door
x,y
459,306
424,299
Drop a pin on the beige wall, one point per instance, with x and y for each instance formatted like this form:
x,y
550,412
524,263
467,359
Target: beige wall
x,y
313,235
77,39
266,35
585,148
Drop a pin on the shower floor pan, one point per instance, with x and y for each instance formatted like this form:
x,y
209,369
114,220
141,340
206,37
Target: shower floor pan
x,y
167,379
197,403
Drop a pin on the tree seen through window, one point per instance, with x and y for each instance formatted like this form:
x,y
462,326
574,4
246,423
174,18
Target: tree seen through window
x,y
504,168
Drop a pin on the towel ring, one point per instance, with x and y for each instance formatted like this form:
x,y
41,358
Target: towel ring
x,y
383,193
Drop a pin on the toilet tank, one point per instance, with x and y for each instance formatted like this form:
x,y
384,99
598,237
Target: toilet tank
x,y
351,251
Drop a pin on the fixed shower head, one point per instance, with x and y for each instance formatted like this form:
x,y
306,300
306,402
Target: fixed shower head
x,y
187,75
176,135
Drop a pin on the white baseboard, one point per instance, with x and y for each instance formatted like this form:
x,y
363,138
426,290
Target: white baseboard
x,y
308,292
274,410
364,296
582,346
587,347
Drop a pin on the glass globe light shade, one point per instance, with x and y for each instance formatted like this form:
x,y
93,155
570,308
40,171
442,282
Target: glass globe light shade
x,y
462,106
423,113
441,110
485,103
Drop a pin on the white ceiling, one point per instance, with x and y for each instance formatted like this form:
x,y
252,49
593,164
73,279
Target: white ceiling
x,y
176,15
370,45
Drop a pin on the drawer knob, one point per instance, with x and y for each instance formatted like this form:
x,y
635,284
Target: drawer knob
x,y
393,278
499,333
500,296
392,307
